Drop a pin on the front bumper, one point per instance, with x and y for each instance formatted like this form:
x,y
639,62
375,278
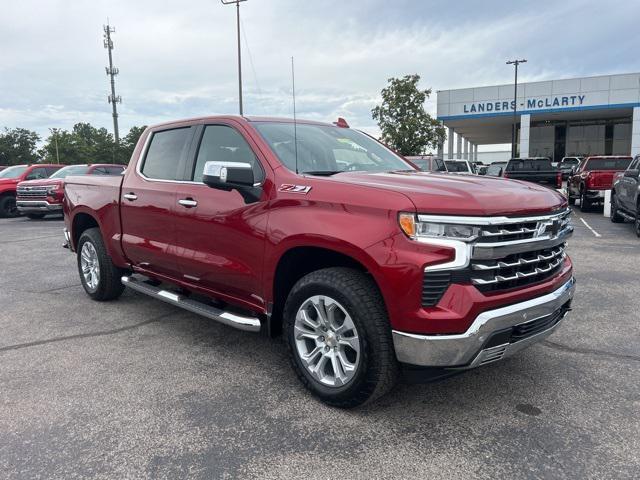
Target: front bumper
x,y
38,206
494,334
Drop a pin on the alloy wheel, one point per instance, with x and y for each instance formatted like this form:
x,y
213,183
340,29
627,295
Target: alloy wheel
x,y
327,341
90,265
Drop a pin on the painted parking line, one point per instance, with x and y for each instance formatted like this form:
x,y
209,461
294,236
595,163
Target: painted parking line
x,y
589,227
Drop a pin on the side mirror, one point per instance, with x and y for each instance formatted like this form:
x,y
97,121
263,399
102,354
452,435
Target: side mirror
x,y
632,173
500,172
227,175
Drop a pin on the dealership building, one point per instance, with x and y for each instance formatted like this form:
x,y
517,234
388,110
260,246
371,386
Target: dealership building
x,y
556,118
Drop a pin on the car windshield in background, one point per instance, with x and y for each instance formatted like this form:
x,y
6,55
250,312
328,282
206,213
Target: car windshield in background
x,y
323,149
535,165
12,172
453,166
605,164
70,170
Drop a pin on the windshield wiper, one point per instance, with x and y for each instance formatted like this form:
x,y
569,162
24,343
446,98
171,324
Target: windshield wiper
x,y
322,173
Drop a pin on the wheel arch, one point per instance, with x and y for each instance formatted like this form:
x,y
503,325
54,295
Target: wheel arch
x,y
299,260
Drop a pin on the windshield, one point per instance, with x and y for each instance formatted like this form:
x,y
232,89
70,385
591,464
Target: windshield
x,y
70,170
326,149
530,164
13,172
607,163
454,166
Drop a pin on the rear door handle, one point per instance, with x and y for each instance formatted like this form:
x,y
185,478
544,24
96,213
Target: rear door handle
x,y
188,202
132,197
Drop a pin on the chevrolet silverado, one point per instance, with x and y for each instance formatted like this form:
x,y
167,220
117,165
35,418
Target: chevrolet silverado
x,y
366,266
593,177
10,177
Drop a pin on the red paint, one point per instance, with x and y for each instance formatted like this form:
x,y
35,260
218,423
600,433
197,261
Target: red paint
x,y
589,178
229,249
8,186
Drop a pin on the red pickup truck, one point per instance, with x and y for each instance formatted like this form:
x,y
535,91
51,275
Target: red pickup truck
x,y
37,198
319,232
593,177
10,177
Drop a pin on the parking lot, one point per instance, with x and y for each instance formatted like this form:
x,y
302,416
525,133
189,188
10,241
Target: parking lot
x,y
136,388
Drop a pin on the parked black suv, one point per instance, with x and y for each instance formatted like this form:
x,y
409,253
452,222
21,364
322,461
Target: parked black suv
x,y
625,195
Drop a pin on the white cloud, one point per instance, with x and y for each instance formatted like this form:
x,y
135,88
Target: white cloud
x,y
178,59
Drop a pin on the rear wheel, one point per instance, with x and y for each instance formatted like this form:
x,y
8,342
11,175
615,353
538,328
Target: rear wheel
x,y
615,214
585,203
8,207
338,337
637,221
35,216
99,276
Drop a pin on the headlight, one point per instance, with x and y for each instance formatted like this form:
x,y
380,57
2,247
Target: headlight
x,y
416,229
53,189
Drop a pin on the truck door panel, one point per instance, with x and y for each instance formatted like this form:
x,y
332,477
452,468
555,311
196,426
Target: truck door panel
x,y
220,234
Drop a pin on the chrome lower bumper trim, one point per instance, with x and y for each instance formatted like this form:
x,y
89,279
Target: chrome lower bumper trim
x,y
465,350
37,206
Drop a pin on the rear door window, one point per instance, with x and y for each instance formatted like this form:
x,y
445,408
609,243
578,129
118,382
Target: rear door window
x,y
165,152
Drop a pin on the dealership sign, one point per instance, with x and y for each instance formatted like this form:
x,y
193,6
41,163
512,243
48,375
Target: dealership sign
x,y
528,104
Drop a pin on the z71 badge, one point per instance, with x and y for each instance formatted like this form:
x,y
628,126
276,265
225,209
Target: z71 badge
x,y
303,189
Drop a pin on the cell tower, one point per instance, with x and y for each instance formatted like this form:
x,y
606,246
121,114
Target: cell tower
x,y
112,71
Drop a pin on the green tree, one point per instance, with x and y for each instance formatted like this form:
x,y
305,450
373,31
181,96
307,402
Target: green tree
x,y
88,144
128,144
403,121
18,146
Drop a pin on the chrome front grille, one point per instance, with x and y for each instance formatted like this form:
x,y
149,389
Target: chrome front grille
x,y
518,269
506,253
32,192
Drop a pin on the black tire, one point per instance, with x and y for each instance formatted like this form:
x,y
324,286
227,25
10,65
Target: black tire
x,y
585,203
636,223
615,216
8,207
572,200
109,286
377,369
35,216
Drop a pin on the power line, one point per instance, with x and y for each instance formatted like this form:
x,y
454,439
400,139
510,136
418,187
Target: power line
x,y
246,44
112,71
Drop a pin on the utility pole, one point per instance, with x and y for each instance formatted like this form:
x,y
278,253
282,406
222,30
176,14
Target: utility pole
x,y
237,3
112,71
515,63
54,132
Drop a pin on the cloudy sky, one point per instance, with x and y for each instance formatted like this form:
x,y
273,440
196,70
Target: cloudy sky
x,y
178,58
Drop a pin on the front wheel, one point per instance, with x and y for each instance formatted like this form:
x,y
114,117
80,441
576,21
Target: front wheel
x,y
637,222
8,207
99,276
339,338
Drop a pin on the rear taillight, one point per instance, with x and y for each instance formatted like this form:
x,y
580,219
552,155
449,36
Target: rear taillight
x,y
559,180
505,175
587,180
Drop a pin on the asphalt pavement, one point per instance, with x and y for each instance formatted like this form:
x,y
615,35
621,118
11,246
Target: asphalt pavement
x,y
136,388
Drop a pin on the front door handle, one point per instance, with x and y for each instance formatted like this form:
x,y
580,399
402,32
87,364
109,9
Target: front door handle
x,y
188,202
132,197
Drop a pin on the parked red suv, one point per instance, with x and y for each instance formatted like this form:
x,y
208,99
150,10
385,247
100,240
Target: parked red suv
x,y
593,177
365,264
10,177
37,198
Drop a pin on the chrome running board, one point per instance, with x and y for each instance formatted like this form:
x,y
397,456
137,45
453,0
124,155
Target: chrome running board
x,y
241,322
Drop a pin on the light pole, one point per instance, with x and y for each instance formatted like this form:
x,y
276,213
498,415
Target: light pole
x,y
54,132
237,3
515,63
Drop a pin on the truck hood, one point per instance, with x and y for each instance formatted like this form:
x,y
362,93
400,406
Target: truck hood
x,y
43,182
461,194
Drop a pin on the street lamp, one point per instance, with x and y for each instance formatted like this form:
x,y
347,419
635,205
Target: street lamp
x,y
54,132
237,3
515,63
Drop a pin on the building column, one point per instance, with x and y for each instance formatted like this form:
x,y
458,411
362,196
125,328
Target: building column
x,y
465,154
450,146
635,132
475,152
459,149
525,122
440,149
